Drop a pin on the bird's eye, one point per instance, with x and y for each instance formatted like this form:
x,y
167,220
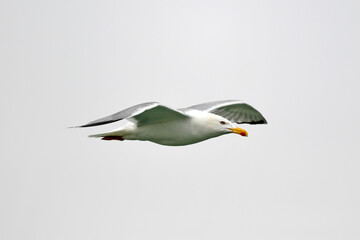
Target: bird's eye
x,y
222,122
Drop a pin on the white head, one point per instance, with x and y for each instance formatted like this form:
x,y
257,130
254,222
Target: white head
x,y
216,125
224,126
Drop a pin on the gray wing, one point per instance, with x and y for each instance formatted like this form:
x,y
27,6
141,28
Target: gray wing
x,y
233,110
145,113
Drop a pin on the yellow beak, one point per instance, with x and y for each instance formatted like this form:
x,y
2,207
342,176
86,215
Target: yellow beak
x,y
240,131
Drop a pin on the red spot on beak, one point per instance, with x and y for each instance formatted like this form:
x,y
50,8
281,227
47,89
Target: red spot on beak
x,y
239,131
243,134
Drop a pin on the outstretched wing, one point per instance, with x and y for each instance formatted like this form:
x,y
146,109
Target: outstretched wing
x,y
233,110
142,114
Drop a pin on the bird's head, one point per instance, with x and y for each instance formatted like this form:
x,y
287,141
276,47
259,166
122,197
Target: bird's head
x,y
224,126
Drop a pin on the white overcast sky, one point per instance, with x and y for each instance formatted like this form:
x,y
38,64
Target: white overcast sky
x,y
65,63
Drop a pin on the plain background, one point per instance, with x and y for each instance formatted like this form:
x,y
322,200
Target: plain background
x,y
65,63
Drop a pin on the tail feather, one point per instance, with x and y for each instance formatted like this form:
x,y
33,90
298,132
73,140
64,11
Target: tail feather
x,y
99,135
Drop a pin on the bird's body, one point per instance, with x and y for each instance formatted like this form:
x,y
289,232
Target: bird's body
x,y
173,133
163,125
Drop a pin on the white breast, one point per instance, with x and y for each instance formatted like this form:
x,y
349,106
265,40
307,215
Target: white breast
x,y
175,133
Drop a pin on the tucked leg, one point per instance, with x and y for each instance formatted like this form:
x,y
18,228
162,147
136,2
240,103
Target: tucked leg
x,y
119,138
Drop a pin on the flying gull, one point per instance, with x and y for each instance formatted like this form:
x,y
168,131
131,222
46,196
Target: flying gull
x,y
160,124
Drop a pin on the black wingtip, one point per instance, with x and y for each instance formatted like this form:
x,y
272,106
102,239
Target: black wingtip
x,y
93,124
262,121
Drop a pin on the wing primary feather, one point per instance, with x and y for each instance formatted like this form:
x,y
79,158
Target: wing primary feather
x,y
129,112
142,114
239,113
98,123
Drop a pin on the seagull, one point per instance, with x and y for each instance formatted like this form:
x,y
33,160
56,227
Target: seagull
x,y
163,125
